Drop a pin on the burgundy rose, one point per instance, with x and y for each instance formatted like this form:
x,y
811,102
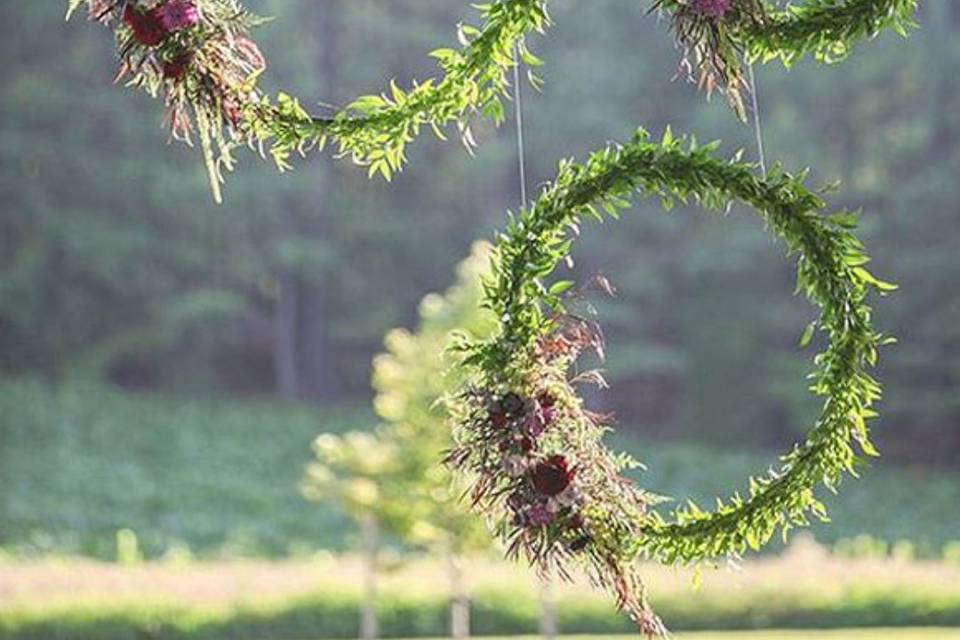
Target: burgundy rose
x,y
551,476
498,419
545,399
176,69
535,424
712,8
539,515
146,26
178,14
526,444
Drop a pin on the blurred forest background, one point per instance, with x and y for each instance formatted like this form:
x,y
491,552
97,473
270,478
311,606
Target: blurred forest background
x,y
166,362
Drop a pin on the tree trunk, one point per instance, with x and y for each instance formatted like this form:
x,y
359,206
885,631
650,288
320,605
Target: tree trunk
x,y
938,40
548,611
368,615
460,599
285,338
312,342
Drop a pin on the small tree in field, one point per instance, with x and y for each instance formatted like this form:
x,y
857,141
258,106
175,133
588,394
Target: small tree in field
x,y
354,470
391,478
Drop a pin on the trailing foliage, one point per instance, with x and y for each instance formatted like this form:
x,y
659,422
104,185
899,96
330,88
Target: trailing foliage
x,y
199,56
537,465
715,35
375,129
206,68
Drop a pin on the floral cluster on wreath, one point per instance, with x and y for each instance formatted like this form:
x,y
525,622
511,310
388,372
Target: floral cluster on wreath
x,y
554,492
199,58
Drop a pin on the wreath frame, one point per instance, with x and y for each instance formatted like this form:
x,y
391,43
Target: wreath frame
x,y
521,423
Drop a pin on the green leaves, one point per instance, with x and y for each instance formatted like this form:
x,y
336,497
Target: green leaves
x,y
827,29
374,130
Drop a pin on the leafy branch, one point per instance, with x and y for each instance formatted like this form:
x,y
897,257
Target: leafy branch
x,y
375,129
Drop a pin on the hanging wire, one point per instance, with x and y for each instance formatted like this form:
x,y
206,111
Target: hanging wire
x,y
757,125
518,107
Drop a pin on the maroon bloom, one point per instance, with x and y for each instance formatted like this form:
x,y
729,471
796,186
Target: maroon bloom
x,y
526,444
546,400
544,415
498,419
178,14
176,69
539,515
552,476
535,424
146,26
712,8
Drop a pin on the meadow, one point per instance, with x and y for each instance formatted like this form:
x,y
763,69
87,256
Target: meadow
x,y
861,634
212,478
177,518
319,597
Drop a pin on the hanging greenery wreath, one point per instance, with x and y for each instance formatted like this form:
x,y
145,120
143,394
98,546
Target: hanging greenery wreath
x,y
533,452
198,56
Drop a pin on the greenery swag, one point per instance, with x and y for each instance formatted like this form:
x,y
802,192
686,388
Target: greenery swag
x,y
198,55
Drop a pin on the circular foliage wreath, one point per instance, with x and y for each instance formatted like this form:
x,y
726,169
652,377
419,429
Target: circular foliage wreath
x,y
533,452
199,57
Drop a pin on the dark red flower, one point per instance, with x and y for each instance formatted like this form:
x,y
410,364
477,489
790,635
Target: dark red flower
x,y
712,8
176,69
546,400
146,26
539,515
526,444
178,14
498,419
552,476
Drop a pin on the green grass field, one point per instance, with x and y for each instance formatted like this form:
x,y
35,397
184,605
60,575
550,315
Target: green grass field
x,y
75,599
216,476
932,633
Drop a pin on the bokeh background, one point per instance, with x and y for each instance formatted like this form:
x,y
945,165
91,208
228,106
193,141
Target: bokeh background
x,y
166,363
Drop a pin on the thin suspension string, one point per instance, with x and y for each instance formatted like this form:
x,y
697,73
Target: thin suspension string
x,y
518,108
757,125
